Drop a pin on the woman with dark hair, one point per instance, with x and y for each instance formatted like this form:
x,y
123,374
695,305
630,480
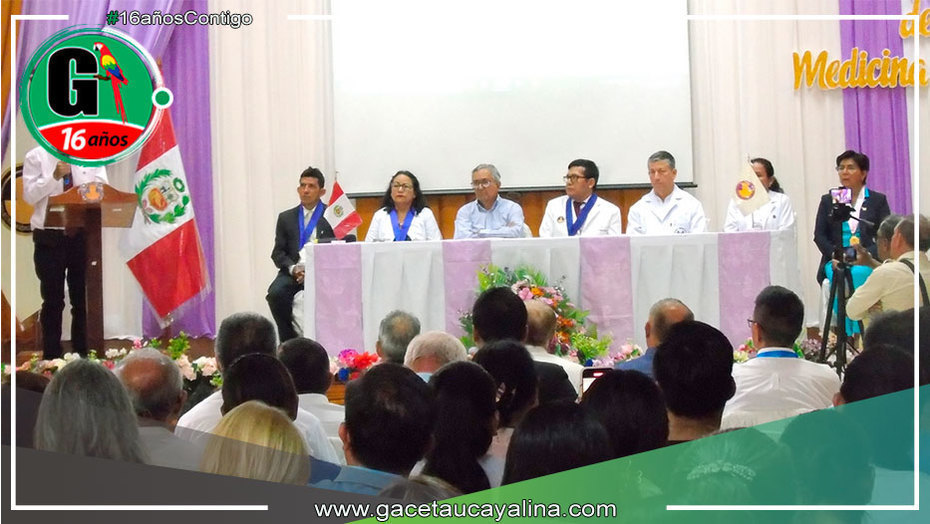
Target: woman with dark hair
x,y
555,437
466,422
404,214
869,206
631,408
258,376
776,214
514,374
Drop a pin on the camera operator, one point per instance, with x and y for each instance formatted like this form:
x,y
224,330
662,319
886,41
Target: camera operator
x,y
891,285
871,207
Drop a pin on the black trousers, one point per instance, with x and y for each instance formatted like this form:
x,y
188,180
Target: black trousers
x,y
281,302
59,257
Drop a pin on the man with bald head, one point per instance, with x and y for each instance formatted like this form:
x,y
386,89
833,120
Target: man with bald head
x,y
155,387
540,340
662,316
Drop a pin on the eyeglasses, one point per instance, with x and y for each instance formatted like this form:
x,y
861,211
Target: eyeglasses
x,y
405,187
572,178
481,184
847,168
750,322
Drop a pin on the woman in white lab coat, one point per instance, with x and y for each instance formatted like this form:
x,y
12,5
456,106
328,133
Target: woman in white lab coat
x,y
776,214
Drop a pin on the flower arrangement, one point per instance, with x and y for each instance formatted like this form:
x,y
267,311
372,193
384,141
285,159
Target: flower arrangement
x,y
628,351
350,364
745,352
201,371
531,284
809,348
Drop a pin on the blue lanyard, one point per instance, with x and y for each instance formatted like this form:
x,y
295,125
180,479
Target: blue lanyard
x,y
400,232
778,353
306,231
575,227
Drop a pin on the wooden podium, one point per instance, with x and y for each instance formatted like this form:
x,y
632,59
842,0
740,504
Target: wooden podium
x,y
91,207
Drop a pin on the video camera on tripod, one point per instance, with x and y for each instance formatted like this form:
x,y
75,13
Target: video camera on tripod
x,y
840,212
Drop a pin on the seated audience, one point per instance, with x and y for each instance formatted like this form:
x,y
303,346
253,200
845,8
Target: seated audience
x,y
258,442
85,411
662,315
891,285
777,383
733,467
308,363
693,368
390,414
429,351
896,328
630,407
29,389
499,314
404,213
156,390
540,340
511,367
833,464
242,334
488,215
466,422
394,335
258,376
552,438
419,489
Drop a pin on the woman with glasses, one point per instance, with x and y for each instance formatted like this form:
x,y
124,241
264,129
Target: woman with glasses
x,y
404,214
776,214
832,232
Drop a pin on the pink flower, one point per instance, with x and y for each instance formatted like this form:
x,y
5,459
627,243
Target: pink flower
x,y
525,293
626,350
137,343
187,370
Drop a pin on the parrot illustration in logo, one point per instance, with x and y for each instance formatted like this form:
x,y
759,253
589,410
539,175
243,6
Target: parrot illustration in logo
x,y
114,75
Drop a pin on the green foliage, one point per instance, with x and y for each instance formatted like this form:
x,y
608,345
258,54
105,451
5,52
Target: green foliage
x,y
178,345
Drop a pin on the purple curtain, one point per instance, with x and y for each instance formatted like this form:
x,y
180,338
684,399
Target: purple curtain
x,y
876,118
184,50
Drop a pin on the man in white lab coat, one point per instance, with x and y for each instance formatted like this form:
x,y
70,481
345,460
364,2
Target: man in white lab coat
x,y
667,209
580,212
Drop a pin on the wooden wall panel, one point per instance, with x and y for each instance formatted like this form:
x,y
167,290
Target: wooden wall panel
x,y
445,206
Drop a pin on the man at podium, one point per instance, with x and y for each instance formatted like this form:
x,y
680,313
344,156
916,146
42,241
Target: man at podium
x,y
58,254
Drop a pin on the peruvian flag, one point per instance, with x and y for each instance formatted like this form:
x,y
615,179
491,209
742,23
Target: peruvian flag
x,y
340,213
162,248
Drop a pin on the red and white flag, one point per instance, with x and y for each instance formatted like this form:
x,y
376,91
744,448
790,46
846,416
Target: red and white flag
x,y
340,213
162,249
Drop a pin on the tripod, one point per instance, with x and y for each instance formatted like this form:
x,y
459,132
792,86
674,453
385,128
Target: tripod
x,y
841,279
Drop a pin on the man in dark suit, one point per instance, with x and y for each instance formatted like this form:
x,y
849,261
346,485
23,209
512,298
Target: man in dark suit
x,y
296,227
869,206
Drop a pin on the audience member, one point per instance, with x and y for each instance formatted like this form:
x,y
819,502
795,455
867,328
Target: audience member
x,y
419,489
894,328
552,438
667,209
777,384
259,442
540,341
156,390
242,334
580,212
85,411
432,350
891,285
258,376
662,315
29,389
742,467
882,243
630,407
390,413
488,215
499,314
394,335
693,368
511,367
466,422
832,462
308,363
